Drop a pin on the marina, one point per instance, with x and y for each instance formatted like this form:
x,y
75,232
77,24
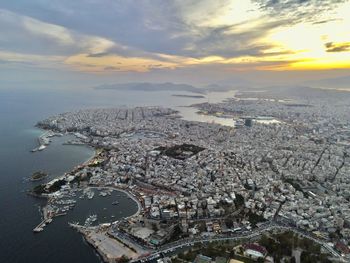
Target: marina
x,y
44,140
99,204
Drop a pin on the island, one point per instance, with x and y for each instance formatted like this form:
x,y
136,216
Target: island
x,y
37,176
200,183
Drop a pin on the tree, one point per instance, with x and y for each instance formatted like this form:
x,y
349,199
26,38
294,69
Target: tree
x,y
229,223
123,259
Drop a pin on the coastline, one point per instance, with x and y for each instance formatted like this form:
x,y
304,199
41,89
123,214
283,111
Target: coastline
x,y
95,237
92,156
86,162
48,196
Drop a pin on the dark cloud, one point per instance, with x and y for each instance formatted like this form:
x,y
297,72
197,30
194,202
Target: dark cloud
x,y
226,42
299,10
147,26
337,47
26,35
324,21
150,28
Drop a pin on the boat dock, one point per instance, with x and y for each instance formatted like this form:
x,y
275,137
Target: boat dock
x,y
42,224
47,219
44,140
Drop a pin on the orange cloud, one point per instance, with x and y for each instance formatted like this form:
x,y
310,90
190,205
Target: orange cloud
x,y
84,62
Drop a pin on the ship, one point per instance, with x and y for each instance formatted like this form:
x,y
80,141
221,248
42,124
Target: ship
x,y
41,147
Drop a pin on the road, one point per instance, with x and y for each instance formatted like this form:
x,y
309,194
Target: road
x,y
171,247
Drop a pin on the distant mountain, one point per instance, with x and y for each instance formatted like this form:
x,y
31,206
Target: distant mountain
x,y
299,92
146,86
218,88
233,83
331,83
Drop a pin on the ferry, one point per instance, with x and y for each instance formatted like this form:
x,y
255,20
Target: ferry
x,y
38,229
41,147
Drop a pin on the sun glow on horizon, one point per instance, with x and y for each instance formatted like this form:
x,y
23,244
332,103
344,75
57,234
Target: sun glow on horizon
x,y
245,35
310,41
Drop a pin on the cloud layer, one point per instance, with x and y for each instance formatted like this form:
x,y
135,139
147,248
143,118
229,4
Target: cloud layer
x,y
153,35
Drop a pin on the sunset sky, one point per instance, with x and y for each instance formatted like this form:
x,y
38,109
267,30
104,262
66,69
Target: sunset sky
x,y
121,40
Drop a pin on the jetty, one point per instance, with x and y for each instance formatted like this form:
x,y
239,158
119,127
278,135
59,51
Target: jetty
x,y
46,220
42,224
44,140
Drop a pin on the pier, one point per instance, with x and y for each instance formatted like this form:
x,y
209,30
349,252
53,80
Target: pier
x,y
42,224
44,140
47,219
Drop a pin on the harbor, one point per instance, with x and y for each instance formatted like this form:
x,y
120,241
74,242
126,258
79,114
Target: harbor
x,y
89,206
44,140
63,201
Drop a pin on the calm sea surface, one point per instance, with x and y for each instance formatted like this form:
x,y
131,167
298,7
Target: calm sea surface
x,y
19,213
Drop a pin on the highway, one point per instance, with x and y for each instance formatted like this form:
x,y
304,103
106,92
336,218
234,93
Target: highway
x,y
171,247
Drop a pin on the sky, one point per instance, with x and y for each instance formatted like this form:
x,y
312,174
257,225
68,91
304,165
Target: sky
x,y
87,42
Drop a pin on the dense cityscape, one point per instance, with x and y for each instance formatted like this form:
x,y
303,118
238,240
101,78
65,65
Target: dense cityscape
x,y
283,166
184,131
